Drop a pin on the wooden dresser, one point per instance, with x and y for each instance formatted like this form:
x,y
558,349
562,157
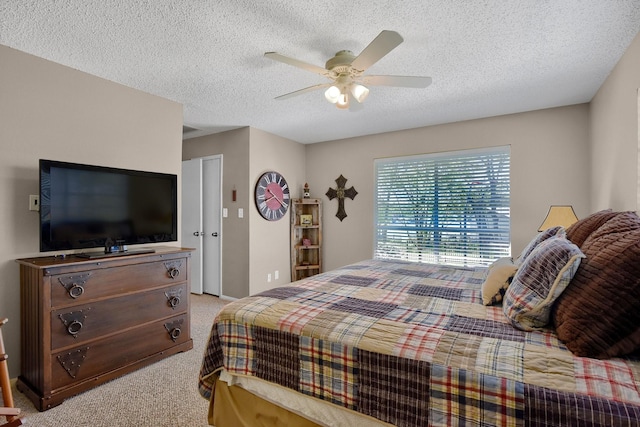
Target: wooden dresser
x,y
87,321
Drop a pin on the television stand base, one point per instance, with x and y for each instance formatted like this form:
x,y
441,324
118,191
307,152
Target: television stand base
x,y
98,255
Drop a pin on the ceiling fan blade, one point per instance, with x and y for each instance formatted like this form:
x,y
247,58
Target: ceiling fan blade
x,y
399,81
301,91
297,63
379,47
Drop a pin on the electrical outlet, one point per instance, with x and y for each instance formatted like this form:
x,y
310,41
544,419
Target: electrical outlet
x,y
269,277
34,202
276,276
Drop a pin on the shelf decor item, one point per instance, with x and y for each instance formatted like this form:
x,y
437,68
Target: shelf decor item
x,y
306,238
306,220
306,193
340,193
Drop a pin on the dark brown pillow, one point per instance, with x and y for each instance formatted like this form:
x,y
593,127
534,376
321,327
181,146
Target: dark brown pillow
x,y
598,314
579,231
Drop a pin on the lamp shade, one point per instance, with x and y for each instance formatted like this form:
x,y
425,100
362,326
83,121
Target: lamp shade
x,y
332,94
559,215
343,100
359,92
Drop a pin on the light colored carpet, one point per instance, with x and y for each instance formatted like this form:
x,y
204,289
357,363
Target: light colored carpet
x,y
164,394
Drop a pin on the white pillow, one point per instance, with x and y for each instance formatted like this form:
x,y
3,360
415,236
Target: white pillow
x,y
499,276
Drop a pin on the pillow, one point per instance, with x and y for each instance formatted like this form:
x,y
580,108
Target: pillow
x,y
540,237
598,315
580,230
498,278
539,281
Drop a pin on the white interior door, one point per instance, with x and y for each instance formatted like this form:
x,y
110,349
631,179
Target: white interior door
x,y
191,225
212,225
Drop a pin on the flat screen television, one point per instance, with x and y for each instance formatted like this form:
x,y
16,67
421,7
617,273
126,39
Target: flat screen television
x,y
86,206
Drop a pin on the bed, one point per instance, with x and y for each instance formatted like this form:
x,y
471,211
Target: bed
x,y
395,343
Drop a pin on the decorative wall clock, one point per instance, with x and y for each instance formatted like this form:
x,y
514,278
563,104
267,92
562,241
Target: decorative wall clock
x,y
272,196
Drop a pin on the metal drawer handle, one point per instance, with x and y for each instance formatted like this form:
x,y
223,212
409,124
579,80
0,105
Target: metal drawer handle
x,y
75,291
173,328
73,320
174,301
175,333
74,284
174,272
173,298
74,327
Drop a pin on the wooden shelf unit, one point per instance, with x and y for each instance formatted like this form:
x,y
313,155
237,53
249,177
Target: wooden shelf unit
x,y
85,322
306,260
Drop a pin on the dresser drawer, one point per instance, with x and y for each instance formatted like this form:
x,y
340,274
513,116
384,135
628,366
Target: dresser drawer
x,y
90,361
73,325
81,286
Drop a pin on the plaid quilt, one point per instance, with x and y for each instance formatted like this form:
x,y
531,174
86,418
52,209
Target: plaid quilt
x,y
412,345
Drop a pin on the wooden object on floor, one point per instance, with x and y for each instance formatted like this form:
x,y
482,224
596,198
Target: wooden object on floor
x,y
8,410
85,322
306,238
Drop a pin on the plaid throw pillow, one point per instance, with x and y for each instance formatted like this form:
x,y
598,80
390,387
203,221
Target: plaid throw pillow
x,y
539,281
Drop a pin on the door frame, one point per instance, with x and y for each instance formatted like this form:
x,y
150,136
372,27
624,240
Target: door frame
x,y
220,222
201,160
193,196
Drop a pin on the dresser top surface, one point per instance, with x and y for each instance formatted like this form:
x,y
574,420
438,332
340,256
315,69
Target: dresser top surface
x,y
59,261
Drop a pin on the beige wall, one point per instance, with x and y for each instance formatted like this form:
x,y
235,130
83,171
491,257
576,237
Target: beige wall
x,y
549,165
614,136
252,247
234,147
547,147
55,112
269,240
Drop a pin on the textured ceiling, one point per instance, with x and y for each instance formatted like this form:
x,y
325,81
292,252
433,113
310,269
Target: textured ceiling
x,y
486,58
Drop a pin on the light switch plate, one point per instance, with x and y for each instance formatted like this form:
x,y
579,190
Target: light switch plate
x,y
240,213
34,202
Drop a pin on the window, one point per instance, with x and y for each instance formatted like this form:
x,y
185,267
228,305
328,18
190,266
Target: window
x,y
445,208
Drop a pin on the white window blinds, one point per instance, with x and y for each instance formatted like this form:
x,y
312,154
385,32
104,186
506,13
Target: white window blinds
x,y
445,208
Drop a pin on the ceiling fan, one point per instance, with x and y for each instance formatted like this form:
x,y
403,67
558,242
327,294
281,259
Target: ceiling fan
x,y
345,70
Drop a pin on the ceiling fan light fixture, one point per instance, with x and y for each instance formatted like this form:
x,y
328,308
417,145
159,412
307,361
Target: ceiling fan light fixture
x,y
345,68
343,100
332,94
359,92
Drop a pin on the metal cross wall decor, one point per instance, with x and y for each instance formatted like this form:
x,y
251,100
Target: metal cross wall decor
x,y
340,192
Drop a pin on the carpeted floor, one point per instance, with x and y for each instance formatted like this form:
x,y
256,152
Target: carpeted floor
x,y
164,394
